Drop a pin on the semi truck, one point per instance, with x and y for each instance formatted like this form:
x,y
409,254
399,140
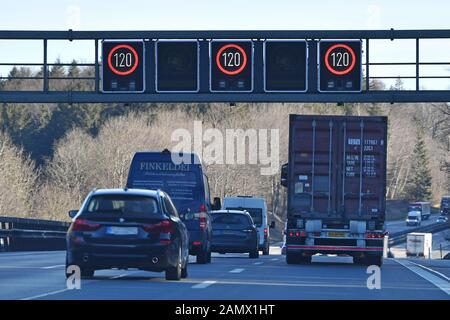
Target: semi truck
x,y
336,187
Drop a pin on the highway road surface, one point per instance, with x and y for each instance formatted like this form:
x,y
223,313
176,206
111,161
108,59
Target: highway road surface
x,y
400,225
40,275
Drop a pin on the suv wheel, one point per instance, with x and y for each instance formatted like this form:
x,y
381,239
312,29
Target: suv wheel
x,y
174,273
266,249
202,257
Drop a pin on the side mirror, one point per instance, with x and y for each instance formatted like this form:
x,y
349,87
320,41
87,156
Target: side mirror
x,y
217,205
284,175
272,225
73,213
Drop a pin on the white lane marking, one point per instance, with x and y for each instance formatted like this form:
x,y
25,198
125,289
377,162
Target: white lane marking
x,y
238,270
120,276
257,263
45,294
431,270
203,285
435,280
274,259
54,267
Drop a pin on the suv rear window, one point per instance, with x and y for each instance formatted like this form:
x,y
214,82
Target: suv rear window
x,y
230,220
123,204
255,213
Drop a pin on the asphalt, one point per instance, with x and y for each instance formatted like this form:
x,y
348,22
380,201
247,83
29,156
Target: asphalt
x,y
400,225
40,275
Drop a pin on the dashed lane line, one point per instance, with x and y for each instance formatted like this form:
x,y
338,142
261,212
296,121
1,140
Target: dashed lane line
x,y
203,284
238,270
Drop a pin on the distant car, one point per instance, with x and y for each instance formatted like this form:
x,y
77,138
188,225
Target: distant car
x,y
234,232
128,228
257,208
442,219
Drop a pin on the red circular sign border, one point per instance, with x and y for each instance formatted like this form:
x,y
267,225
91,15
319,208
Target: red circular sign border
x,y
136,58
349,69
237,71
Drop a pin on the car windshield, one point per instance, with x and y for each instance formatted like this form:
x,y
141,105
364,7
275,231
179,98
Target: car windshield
x,y
230,221
255,213
123,204
412,217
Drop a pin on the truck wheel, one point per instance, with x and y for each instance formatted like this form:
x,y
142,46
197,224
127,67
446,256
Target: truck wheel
x,y
254,254
292,258
374,260
305,259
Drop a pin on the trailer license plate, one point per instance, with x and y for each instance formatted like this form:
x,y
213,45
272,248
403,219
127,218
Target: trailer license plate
x,y
336,234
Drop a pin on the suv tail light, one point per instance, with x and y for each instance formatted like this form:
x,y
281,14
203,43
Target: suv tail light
x,y
164,228
84,225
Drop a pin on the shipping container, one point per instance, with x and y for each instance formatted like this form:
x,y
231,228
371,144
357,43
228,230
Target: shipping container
x,y
336,179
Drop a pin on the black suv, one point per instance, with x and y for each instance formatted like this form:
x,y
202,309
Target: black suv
x,y
128,228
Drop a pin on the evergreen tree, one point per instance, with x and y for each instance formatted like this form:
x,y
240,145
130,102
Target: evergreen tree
x,y
419,186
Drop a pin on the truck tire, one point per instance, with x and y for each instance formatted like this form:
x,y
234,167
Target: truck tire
x,y
254,254
292,258
374,260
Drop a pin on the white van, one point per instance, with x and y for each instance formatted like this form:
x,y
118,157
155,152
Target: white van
x,y
257,208
421,208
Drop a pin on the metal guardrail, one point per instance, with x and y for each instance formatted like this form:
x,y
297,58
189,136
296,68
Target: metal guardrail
x,y
400,237
19,234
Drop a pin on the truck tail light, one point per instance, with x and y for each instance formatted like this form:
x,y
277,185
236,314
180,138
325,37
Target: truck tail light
x,y
375,235
297,234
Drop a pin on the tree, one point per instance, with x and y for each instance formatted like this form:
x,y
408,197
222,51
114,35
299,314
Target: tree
x,y
419,186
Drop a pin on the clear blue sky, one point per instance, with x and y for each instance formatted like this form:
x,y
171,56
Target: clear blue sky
x,y
225,14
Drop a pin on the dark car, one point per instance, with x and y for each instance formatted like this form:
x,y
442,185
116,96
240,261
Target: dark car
x,y
187,185
128,228
234,232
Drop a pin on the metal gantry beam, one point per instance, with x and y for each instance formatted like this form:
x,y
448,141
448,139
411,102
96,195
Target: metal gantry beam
x,y
368,95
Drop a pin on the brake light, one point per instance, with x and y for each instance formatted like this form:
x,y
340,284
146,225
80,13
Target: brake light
x,y
203,222
84,225
202,208
374,235
164,226
297,233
